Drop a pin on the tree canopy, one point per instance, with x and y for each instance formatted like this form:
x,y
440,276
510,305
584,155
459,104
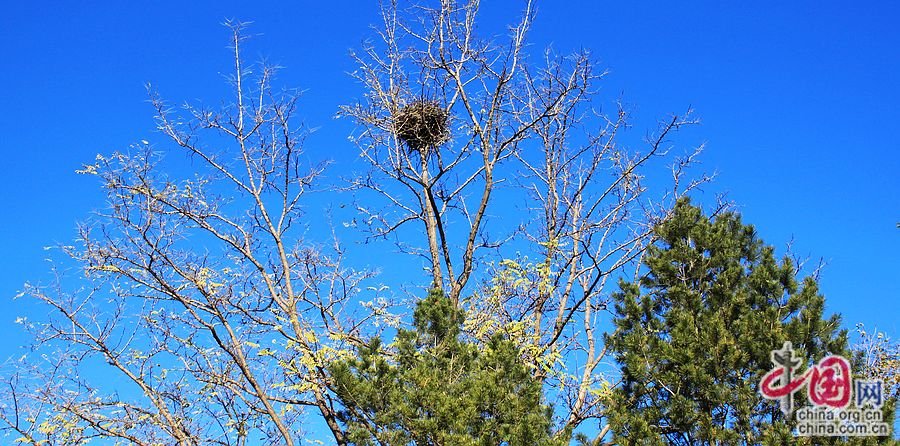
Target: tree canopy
x,y
432,388
694,334
222,305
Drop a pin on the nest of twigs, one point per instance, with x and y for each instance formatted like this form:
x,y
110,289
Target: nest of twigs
x,y
422,125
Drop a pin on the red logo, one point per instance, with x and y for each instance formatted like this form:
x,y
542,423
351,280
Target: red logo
x,y
828,383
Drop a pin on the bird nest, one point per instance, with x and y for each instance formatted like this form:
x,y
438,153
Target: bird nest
x,y
422,125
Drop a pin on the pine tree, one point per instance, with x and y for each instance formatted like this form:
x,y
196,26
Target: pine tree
x,y
694,336
433,388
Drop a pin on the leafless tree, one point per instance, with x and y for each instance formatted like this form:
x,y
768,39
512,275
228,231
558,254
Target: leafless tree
x,y
204,316
880,358
529,143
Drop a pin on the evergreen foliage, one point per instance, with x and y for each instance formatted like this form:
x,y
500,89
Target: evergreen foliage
x,y
433,388
694,336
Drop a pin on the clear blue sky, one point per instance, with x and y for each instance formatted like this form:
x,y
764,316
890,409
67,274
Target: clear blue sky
x,y
800,102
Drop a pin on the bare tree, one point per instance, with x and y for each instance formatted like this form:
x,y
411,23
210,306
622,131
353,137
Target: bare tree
x,y
525,132
880,357
203,316
438,56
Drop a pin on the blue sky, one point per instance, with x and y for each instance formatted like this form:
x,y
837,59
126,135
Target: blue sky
x,y
799,100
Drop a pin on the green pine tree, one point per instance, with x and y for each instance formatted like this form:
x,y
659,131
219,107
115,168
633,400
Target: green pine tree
x,y
433,388
694,336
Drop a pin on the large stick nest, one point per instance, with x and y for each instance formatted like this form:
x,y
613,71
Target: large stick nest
x,y
422,125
